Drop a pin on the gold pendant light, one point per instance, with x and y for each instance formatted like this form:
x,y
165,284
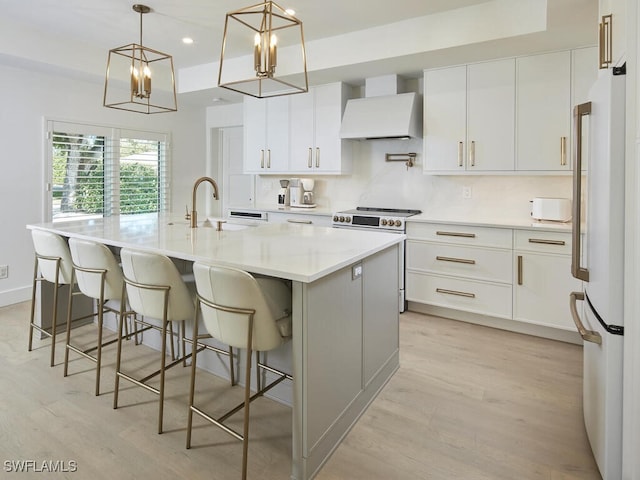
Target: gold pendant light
x,y
267,45
130,72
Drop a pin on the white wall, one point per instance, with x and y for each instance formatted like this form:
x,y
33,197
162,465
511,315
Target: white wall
x,y
377,183
28,97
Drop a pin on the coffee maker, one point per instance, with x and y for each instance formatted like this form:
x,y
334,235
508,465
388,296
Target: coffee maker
x,y
283,194
295,192
307,194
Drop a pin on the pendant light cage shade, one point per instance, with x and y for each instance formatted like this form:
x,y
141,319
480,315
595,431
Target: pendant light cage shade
x,y
140,79
263,52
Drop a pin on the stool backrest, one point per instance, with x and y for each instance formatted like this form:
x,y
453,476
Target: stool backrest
x,y
230,287
88,254
49,244
153,269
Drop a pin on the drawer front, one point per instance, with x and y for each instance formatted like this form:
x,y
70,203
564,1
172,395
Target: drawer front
x,y
460,234
545,242
468,295
470,262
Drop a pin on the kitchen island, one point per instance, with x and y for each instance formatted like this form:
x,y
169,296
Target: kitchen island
x,y
345,315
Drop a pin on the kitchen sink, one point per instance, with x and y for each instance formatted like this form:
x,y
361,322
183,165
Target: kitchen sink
x,y
212,223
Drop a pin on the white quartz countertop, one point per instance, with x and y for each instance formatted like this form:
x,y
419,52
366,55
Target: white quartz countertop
x,y
492,221
296,252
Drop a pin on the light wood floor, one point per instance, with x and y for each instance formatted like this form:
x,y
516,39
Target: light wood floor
x,y
468,402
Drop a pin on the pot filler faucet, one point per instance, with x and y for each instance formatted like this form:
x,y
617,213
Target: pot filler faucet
x,y
194,214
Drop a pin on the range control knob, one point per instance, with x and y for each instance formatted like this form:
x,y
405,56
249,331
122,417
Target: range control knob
x,y
398,223
347,219
383,221
341,218
336,218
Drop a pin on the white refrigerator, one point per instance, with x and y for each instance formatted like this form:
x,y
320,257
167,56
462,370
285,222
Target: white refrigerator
x,y
598,256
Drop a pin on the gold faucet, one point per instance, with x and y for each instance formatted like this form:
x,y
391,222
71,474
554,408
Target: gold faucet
x,y
194,214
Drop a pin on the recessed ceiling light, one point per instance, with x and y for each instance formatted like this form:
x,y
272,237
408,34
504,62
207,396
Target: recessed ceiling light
x,y
187,40
290,11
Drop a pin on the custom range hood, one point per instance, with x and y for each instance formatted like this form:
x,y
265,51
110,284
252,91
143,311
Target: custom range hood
x,y
383,113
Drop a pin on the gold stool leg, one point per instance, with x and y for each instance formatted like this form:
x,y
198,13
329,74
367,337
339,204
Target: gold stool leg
x,y
33,302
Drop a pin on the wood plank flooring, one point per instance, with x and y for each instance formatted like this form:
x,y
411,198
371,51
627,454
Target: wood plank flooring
x,y
468,402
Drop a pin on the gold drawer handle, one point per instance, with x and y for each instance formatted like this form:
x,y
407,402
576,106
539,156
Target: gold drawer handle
x,y
456,234
455,260
546,242
455,292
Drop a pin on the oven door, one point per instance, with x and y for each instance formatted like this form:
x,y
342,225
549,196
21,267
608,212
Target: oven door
x,y
402,304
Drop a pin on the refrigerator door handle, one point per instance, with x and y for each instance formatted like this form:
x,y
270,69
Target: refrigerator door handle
x,y
577,270
587,335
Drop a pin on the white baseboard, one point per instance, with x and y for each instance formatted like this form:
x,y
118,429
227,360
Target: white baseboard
x,y
17,295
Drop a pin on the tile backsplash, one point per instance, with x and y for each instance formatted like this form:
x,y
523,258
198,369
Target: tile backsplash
x,y
377,183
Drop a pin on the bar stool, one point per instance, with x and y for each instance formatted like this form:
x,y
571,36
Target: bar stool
x,y
52,264
98,276
154,289
241,311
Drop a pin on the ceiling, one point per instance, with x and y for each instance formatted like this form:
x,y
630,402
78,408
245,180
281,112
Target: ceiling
x,y
105,24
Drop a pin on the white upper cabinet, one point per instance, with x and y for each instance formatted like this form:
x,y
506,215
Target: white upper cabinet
x,y
266,135
469,118
543,109
316,146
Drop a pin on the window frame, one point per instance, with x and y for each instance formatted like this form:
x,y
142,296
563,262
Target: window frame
x,y
111,159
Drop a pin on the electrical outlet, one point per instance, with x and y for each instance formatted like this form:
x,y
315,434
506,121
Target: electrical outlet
x,y
4,271
466,192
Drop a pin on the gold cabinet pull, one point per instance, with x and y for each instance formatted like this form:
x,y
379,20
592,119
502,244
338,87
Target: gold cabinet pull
x,y
472,153
563,151
456,293
460,154
605,31
456,234
317,157
306,222
519,269
546,242
261,158
456,260
269,158
309,160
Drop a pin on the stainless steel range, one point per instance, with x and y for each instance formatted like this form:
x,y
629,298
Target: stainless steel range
x,y
381,219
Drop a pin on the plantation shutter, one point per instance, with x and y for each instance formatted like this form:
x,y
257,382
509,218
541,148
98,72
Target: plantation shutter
x,y
98,171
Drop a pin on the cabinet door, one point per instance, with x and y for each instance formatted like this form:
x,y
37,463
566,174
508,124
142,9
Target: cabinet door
x,y
302,132
490,116
277,135
544,112
445,110
328,154
541,289
255,134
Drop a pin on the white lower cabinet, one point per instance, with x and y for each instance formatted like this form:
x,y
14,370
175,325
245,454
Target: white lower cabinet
x,y
543,280
521,275
460,267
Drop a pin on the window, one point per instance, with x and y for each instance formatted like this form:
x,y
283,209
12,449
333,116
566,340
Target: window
x,y
97,171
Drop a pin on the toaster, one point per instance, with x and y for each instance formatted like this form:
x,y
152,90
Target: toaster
x,y
552,209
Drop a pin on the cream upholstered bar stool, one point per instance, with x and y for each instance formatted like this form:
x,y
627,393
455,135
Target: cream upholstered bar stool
x,y
98,276
242,311
52,264
155,289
